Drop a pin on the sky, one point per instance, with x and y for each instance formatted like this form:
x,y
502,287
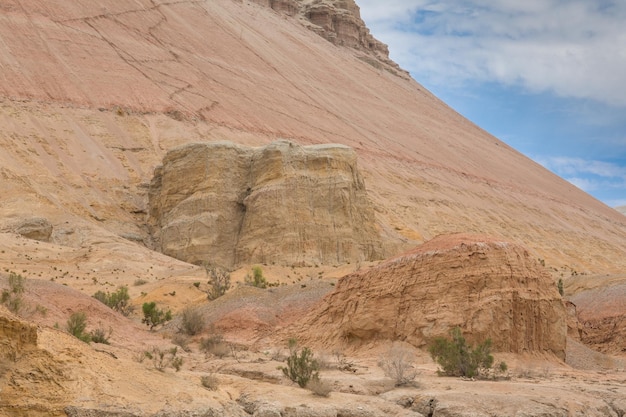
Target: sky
x,y
548,77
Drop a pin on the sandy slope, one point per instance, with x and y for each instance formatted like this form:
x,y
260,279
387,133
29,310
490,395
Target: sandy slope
x,y
82,130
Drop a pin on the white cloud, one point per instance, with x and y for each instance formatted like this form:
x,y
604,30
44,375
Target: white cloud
x,y
588,175
574,48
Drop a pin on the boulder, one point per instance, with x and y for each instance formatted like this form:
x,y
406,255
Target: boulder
x,y
488,287
282,203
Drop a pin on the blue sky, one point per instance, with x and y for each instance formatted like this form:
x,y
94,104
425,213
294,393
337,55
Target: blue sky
x,y
548,77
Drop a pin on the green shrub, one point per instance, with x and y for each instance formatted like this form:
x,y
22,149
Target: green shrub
x,y
257,279
12,297
161,359
301,366
118,301
192,321
153,316
457,358
559,286
76,325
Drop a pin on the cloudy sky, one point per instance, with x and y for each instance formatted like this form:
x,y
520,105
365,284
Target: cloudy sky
x,y
546,76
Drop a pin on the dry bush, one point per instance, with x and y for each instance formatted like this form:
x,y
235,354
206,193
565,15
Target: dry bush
x,y
397,364
219,281
182,341
215,345
100,335
210,382
319,387
161,359
192,321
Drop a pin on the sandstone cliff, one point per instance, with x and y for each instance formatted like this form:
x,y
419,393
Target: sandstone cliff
x,y
488,287
282,203
339,22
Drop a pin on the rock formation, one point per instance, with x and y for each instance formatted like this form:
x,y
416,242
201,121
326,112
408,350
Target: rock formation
x,y
487,287
339,22
36,228
284,203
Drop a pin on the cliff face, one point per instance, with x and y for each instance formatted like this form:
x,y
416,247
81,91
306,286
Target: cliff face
x,y
282,203
339,22
487,287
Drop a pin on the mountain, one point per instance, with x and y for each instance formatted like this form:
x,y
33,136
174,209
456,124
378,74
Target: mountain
x,y
106,109
94,94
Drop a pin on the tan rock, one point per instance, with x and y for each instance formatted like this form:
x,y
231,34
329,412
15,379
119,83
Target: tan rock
x,y
488,287
283,203
36,228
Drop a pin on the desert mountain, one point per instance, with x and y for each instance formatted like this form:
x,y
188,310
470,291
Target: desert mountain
x,y
94,94
141,139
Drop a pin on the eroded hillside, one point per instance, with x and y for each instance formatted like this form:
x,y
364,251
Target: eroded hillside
x,y
95,95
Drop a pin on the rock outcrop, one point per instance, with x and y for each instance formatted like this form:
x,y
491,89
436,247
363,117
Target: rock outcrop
x,y
283,203
36,228
487,287
339,22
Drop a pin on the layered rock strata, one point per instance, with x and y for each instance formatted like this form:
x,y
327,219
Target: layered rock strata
x,y
339,22
487,287
283,203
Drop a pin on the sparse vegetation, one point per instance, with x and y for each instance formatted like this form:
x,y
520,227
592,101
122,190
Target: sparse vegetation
x,y
301,366
161,359
76,325
182,341
319,386
215,345
398,364
154,316
192,321
559,286
219,281
457,358
118,300
210,382
12,297
100,335
256,279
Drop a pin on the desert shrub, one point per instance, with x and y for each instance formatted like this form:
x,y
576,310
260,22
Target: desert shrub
x,y
153,316
140,281
219,281
161,359
215,345
100,335
118,300
256,279
319,386
76,325
210,382
192,321
181,341
301,366
457,358
559,286
397,364
12,297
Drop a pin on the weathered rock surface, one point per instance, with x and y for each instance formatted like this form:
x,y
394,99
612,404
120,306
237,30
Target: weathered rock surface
x,y
339,22
283,203
600,310
36,228
488,287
